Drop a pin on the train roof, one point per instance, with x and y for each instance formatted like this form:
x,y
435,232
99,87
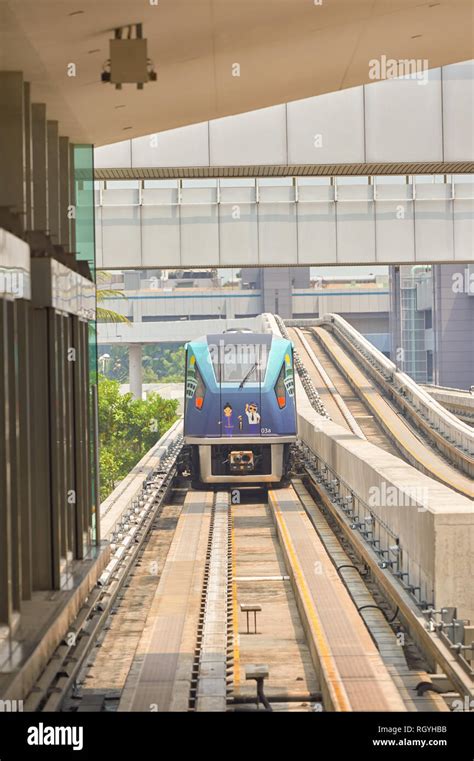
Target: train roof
x,y
238,337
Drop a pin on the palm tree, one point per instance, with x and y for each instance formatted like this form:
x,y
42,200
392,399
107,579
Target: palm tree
x,y
103,314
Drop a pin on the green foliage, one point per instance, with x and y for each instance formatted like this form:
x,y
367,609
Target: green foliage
x,y
128,429
162,363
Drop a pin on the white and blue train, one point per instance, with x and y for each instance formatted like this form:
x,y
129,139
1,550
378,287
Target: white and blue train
x,y
240,413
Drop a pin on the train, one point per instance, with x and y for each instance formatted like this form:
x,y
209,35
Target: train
x,y
240,409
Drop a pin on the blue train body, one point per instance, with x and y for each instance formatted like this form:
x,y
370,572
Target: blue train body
x,y
240,413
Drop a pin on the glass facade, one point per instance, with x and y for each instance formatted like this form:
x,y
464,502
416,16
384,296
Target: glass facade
x,y
84,188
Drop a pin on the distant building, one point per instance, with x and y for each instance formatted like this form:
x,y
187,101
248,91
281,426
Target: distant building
x,y
432,323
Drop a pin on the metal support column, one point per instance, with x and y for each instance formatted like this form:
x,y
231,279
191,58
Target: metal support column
x,y
15,464
40,167
6,602
135,357
12,133
53,182
64,192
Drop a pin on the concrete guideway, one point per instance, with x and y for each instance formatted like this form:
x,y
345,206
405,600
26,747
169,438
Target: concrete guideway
x,y
411,445
353,676
457,401
332,400
161,678
453,437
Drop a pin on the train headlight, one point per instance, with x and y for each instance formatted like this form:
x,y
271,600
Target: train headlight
x,y
280,388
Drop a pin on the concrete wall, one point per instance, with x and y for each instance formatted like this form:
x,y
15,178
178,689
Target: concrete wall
x,y
436,532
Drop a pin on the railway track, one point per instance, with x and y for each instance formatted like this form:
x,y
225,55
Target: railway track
x,y
350,406
177,637
381,421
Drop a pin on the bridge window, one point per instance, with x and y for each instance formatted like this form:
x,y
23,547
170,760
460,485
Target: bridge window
x,y
122,184
392,179
352,180
237,182
272,181
206,182
313,181
149,184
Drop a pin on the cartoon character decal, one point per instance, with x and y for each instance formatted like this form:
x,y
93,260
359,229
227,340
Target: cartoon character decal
x,y
289,380
228,419
253,418
191,380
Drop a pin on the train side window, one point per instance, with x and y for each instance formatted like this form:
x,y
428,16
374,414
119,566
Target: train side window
x,y
280,389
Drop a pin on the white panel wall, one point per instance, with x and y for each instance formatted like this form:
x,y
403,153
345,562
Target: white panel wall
x,y
118,154
160,235
394,230
458,111
355,232
312,138
238,236
316,233
403,120
277,233
185,146
199,235
257,137
464,229
317,229
434,231
121,236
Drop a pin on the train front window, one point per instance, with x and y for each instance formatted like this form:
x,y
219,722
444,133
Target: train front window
x,y
240,363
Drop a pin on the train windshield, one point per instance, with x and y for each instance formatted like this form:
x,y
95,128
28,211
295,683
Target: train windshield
x,y
239,362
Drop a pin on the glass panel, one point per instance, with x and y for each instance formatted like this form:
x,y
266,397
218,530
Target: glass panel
x,y
123,184
391,179
161,184
352,180
313,180
237,182
207,182
240,363
272,181
85,251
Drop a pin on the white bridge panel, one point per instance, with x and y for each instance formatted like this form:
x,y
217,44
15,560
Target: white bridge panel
x,y
316,233
458,110
277,233
121,237
257,137
464,229
186,145
434,231
199,234
312,138
160,233
355,232
238,236
395,234
403,120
